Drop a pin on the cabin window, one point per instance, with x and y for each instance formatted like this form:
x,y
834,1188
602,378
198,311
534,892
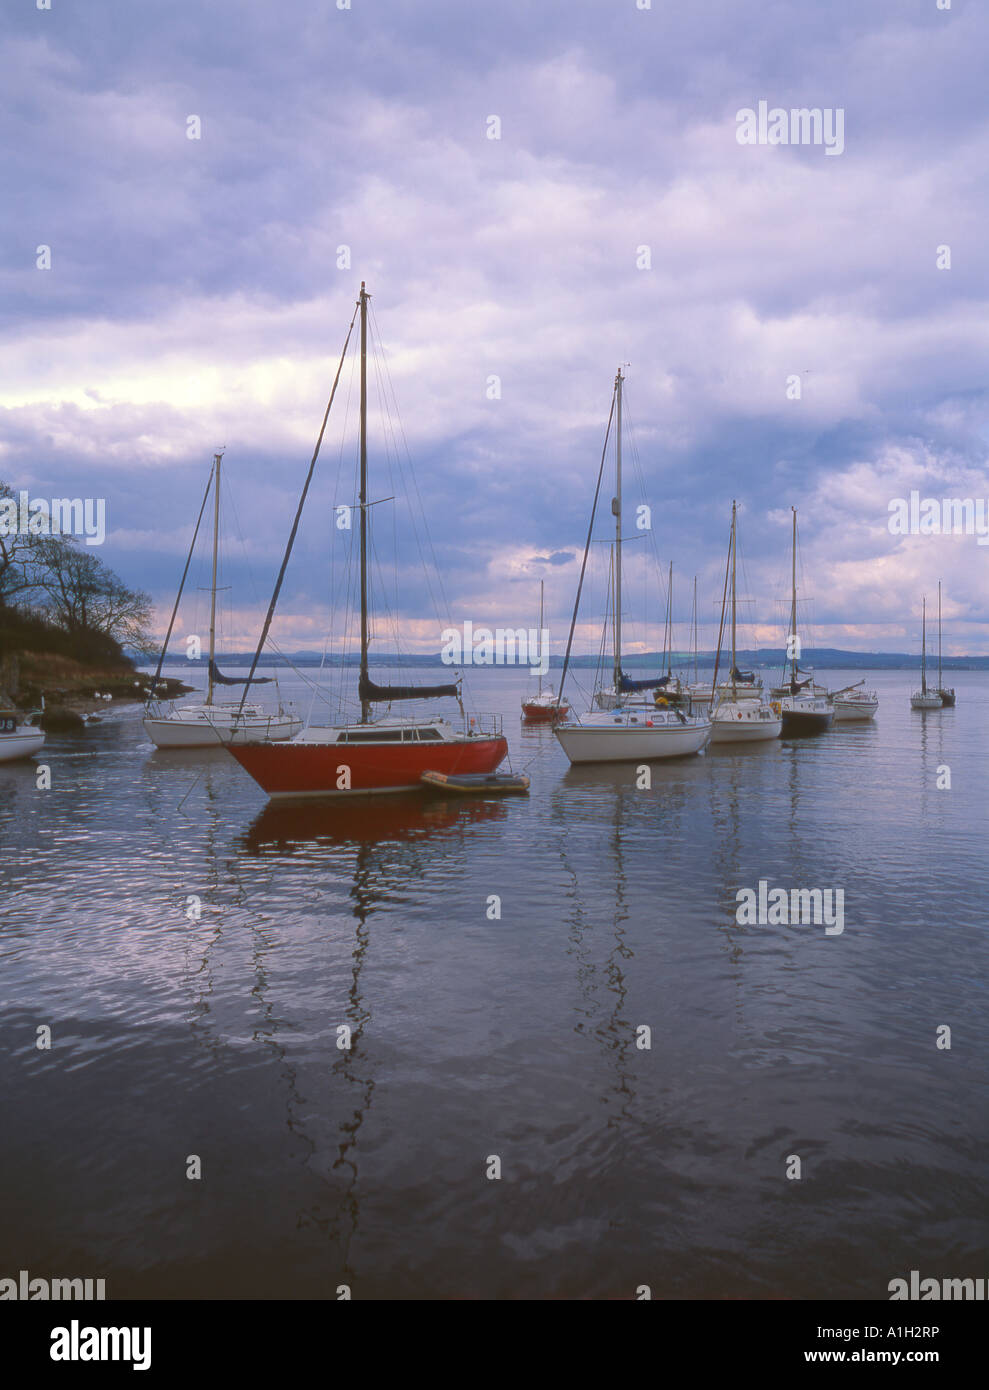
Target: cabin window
x,y
371,736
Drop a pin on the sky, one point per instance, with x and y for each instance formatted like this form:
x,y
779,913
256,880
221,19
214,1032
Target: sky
x,y
200,289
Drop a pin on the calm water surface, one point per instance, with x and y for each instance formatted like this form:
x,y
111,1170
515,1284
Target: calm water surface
x,y
514,1037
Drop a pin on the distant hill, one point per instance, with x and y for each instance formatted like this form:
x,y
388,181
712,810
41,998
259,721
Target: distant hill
x,y
766,658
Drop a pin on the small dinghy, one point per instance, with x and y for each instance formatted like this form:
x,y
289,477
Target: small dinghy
x,y
483,783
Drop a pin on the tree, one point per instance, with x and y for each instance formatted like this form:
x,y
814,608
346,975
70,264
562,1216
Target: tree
x,y
18,555
85,598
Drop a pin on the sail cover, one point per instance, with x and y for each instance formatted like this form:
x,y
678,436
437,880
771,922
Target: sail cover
x,y
626,685
367,690
218,678
742,677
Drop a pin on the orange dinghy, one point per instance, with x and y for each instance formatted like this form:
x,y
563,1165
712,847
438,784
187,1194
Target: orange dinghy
x,y
478,783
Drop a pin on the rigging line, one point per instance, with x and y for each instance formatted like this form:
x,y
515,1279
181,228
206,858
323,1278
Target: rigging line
x,y
441,606
587,545
721,629
228,500
390,448
229,503
539,753
586,696
295,525
316,682
599,669
178,596
298,670
336,583
431,570
396,474
633,449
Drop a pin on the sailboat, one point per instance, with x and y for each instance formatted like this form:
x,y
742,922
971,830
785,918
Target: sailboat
x,y
212,723
629,731
924,698
947,694
698,692
544,706
804,711
388,754
854,703
674,690
742,714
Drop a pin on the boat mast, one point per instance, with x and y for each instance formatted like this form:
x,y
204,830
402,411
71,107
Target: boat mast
x,y
216,546
669,624
733,661
365,704
923,651
939,682
616,507
793,605
541,584
695,629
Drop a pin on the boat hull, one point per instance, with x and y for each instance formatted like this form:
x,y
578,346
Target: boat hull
x,y
745,731
847,711
947,698
301,770
544,714
21,743
587,744
186,733
477,784
925,702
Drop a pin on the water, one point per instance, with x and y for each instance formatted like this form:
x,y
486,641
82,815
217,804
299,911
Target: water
x,y
514,1037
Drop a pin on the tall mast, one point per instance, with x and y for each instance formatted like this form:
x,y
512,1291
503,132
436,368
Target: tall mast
x,y
793,605
365,704
923,651
616,507
216,547
669,624
733,662
939,635
541,584
694,625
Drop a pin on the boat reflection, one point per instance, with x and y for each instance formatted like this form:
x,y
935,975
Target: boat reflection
x,y
186,759
597,941
367,821
764,748
667,774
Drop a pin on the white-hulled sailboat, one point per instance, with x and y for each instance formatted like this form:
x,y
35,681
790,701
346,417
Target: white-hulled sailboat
x,y
742,714
804,711
854,703
212,723
924,698
629,732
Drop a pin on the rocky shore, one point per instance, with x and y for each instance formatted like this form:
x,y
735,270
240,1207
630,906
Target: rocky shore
x,y
71,691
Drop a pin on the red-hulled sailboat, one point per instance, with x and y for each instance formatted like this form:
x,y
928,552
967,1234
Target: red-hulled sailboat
x,y
389,754
544,707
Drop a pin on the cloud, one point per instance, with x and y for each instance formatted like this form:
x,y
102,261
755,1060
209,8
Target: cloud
x,y
197,298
